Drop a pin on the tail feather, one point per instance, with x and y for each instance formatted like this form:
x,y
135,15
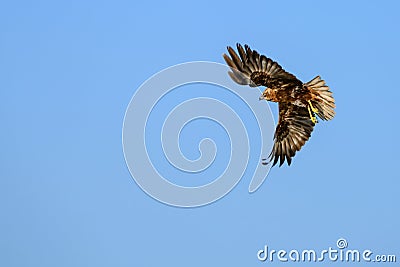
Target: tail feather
x,y
323,99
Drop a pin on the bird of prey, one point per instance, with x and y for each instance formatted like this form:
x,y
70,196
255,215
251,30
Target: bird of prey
x,y
298,102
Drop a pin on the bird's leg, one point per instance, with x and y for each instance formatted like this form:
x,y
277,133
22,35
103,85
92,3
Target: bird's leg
x,y
312,107
312,117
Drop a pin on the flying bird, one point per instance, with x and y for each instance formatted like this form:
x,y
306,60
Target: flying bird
x,y
299,103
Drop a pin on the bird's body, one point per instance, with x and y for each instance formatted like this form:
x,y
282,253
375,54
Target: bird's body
x,y
298,101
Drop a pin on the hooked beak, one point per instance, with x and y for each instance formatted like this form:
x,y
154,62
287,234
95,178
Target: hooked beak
x,y
261,98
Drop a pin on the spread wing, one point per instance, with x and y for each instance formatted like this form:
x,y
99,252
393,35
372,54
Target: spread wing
x,y
292,132
251,68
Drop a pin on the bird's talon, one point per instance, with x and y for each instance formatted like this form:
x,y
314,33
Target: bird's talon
x,y
312,107
314,120
312,117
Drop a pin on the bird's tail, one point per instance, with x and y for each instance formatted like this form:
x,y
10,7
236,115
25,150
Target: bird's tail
x,y
323,100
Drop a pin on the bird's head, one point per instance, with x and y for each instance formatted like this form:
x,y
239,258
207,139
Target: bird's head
x,y
268,95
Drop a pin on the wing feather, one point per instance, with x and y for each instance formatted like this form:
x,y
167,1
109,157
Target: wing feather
x,y
235,59
264,62
247,62
292,132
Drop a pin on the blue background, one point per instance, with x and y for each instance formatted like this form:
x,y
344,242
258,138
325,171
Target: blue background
x,y
67,73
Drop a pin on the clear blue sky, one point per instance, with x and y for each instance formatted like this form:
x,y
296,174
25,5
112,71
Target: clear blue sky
x,y
67,72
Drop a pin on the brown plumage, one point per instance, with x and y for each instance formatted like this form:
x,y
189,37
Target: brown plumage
x,y
298,101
